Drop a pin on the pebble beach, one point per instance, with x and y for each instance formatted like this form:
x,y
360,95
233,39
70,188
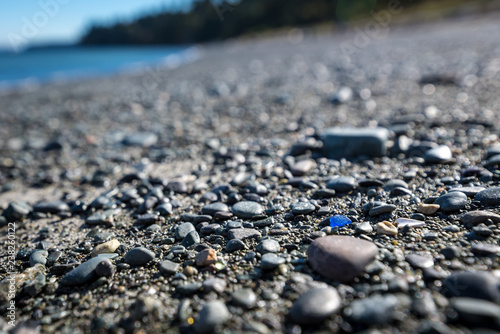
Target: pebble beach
x,y
274,185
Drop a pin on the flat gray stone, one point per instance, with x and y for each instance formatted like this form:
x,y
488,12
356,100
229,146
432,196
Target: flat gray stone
x,y
16,211
268,246
381,209
235,245
39,256
245,298
243,233
341,258
190,239
139,256
248,209
354,142
474,284
477,313
183,229
376,309
51,207
419,261
315,305
342,184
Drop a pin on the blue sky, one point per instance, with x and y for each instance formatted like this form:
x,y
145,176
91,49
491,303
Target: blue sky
x,y
41,21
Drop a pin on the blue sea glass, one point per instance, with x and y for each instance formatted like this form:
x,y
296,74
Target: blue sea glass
x,y
339,221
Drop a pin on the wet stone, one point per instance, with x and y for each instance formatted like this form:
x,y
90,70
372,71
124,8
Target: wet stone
x,y
139,256
451,202
248,209
341,258
315,305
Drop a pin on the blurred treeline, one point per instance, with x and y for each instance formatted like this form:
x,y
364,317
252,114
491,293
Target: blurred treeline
x,y
209,20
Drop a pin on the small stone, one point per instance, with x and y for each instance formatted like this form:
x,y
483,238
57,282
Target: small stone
x,y
451,252
489,196
248,209
190,239
354,142
212,315
339,221
342,184
428,209
419,261
107,247
270,261
438,154
386,228
212,208
453,201
364,228
214,284
105,218
205,257
105,268
245,298
303,167
139,256
381,209
479,217
235,245
340,258
39,256
16,211
168,267
82,274
243,233
183,229
315,305
393,184
268,246
36,285
468,191
303,208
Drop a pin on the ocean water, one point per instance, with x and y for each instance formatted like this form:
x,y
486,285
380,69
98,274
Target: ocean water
x,y
38,66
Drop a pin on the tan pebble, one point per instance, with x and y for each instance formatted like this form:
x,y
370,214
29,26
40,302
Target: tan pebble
x,y
387,228
190,271
107,247
428,209
205,257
